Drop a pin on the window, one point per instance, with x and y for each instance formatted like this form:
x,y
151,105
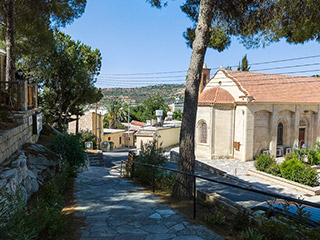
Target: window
x,y
204,80
109,138
119,140
203,132
280,134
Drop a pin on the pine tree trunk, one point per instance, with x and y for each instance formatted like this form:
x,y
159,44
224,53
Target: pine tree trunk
x,y
10,39
183,187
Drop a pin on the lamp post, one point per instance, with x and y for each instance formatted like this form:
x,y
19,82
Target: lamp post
x,y
129,123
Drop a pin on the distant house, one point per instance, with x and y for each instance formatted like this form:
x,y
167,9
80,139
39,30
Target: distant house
x,y
243,114
91,122
166,136
118,138
136,125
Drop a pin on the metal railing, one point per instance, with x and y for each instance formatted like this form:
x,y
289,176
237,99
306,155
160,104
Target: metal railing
x,y
273,195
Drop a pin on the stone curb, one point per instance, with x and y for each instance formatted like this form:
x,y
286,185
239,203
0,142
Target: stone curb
x,y
207,168
287,183
220,201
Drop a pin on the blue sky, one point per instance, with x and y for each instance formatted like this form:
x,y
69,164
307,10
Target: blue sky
x,y
135,38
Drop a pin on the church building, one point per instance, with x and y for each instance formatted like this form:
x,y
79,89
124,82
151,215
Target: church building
x,y
243,114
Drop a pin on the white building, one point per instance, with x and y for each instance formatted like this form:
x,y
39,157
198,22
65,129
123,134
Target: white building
x,y
240,114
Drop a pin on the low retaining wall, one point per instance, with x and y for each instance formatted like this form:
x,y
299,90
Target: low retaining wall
x,y
287,183
28,168
11,140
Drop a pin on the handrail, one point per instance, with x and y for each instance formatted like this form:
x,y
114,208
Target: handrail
x,y
275,195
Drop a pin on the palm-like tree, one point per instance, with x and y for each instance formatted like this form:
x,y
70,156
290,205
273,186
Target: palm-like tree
x,y
116,113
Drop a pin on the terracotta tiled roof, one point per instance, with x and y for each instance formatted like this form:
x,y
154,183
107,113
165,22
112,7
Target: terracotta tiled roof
x,y
215,95
276,88
137,123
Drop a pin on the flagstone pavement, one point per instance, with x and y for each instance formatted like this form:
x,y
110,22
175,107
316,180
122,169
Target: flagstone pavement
x,y
116,209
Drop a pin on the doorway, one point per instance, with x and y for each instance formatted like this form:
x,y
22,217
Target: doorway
x,y
302,132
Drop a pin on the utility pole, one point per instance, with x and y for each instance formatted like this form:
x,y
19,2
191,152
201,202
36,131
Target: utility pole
x,y
128,126
96,124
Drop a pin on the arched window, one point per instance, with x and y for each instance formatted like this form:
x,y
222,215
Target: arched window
x,y
203,132
280,134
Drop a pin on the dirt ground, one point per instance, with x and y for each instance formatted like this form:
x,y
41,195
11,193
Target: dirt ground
x,y
74,223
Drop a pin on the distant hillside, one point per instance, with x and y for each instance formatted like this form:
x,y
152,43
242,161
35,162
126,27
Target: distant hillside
x,y
169,93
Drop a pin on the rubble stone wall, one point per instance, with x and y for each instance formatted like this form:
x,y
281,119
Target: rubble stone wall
x,y
26,169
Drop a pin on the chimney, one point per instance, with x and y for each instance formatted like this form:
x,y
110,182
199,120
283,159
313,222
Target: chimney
x,y
205,77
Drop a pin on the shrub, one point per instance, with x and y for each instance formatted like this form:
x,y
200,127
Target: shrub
x,y
263,162
41,220
295,170
294,154
251,234
71,150
274,169
290,169
313,156
87,136
308,176
242,220
150,155
216,218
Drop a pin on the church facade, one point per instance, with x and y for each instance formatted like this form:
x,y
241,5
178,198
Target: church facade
x,y
243,114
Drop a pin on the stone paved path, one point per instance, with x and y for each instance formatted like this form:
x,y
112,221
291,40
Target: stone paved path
x,y
115,209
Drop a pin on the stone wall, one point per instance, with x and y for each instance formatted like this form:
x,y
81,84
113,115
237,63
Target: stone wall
x,y
26,169
11,140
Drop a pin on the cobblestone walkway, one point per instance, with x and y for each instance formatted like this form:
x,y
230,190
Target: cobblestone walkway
x,y
115,209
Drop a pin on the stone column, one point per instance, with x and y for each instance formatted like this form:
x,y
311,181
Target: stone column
x,y
23,85
248,134
312,129
211,131
318,125
295,130
273,127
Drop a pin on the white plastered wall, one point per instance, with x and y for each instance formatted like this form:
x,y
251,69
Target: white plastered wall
x,y
223,132
204,150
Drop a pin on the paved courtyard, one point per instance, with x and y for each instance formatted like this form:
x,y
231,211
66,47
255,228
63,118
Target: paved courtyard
x,y
240,169
116,209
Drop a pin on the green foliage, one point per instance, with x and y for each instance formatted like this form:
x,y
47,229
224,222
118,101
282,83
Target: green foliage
x,y
282,228
177,115
219,38
117,113
150,155
71,150
294,154
87,136
169,92
242,220
42,219
274,169
264,161
244,66
295,170
153,103
313,156
251,234
68,75
215,219
290,169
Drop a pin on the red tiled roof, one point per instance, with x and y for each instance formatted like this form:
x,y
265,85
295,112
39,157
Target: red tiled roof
x,y
215,95
137,123
265,87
